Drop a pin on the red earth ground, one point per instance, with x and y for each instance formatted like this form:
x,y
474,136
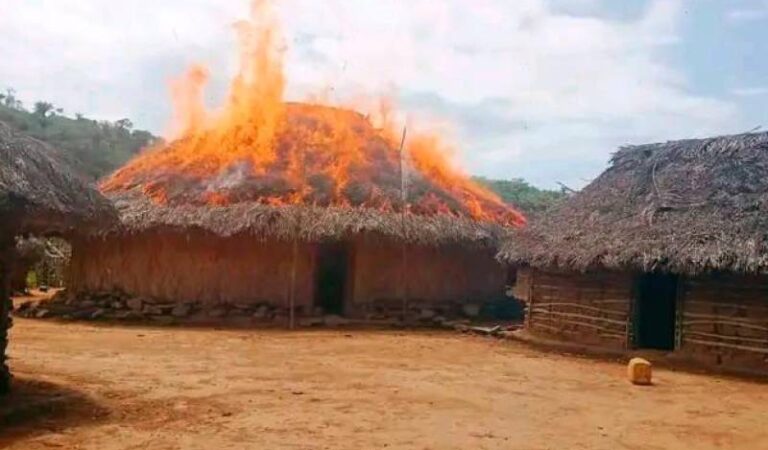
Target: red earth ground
x,y
83,386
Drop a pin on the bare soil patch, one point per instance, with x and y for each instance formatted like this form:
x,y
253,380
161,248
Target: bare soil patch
x,y
178,388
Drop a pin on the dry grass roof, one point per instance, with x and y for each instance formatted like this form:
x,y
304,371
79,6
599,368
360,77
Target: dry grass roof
x,y
38,192
307,223
437,214
687,206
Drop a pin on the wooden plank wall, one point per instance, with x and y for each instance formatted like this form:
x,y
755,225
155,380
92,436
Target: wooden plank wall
x,y
592,308
725,320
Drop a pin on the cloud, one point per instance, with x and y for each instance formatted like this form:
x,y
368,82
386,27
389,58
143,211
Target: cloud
x,y
750,91
748,14
532,90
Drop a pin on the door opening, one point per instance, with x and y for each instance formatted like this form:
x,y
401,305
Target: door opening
x,y
655,311
331,282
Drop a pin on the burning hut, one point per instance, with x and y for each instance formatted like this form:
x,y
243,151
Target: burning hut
x,y
667,249
38,195
319,224
294,205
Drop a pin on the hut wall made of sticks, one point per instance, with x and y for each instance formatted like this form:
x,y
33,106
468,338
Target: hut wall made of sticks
x,y
720,319
591,308
724,320
199,267
192,267
443,277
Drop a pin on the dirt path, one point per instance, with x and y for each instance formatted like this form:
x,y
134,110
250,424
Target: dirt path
x,y
175,388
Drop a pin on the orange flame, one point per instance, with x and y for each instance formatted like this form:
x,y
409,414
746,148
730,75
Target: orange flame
x,y
260,148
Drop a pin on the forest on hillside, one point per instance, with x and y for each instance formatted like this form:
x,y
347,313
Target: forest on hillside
x,y
92,147
95,148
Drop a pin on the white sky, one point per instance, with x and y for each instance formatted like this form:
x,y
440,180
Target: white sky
x,y
530,90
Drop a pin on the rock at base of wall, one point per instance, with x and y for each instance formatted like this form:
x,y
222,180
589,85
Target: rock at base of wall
x,y
135,304
261,312
217,312
311,321
333,320
181,310
471,309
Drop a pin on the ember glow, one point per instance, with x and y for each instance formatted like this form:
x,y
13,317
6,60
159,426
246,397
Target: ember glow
x,y
260,148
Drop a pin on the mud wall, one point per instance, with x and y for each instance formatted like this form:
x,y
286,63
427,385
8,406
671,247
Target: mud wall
x,y
194,267
445,275
591,308
724,321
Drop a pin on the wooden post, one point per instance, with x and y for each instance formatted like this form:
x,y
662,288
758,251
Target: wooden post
x,y
679,309
292,294
404,199
629,332
6,260
528,317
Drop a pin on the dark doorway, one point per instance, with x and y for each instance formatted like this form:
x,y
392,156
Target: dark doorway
x,y
332,264
655,311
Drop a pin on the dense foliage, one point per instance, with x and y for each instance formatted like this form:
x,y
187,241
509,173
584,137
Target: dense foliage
x,y
94,148
529,199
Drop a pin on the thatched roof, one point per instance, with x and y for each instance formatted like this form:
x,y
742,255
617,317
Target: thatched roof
x,y
312,207
688,206
308,223
38,192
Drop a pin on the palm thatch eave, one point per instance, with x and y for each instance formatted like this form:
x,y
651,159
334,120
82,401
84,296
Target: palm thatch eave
x,y
303,222
690,206
39,193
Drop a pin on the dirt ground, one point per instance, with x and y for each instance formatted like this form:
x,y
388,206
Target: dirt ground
x,y
114,387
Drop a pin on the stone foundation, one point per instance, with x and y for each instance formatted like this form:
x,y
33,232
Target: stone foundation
x,y
118,306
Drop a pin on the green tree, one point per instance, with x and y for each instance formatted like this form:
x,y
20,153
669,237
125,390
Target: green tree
x,y
519,193
42,111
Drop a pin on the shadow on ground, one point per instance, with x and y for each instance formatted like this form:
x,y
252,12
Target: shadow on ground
x,y
37,407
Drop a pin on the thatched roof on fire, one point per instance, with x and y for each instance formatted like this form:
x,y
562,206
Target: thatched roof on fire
x,y
687,206
38,192
255,202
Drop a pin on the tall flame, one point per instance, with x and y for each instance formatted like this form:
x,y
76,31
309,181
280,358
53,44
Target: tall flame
x,y
260,148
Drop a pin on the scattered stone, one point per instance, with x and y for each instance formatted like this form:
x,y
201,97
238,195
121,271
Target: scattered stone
x,y
164,308
217,312
117,304
181,310
639,371
333,320
152,310
311,321
243,306
163,320
87,304
440,320
471,309
135,304
262,312
98,314
82,314
121,315
427,313
461,327
42,313
238,312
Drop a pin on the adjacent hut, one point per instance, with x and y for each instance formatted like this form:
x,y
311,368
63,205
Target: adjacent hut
x,y
321,228
667,249
38,195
